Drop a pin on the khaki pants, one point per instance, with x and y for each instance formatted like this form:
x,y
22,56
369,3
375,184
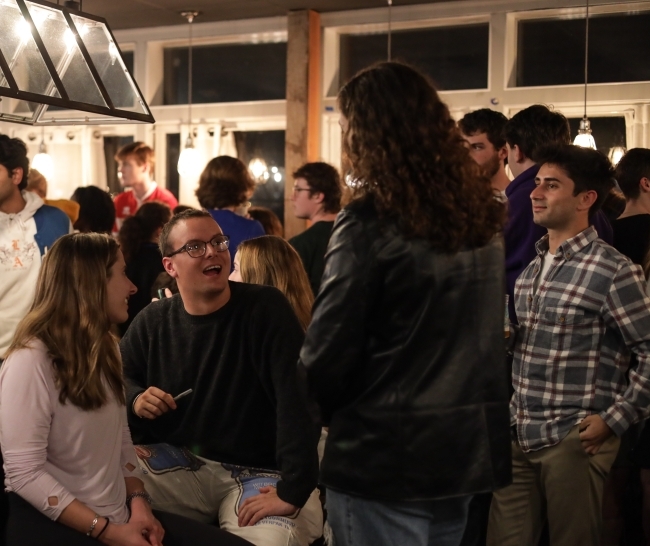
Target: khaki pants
x,y
562,483
210,492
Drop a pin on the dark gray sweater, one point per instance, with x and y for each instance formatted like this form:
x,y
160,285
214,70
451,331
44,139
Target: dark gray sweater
x,y
241,362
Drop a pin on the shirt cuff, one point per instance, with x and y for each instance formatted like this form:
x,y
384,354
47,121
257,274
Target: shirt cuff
x,y
617,419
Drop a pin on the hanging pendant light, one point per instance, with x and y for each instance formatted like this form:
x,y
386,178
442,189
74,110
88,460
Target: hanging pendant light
x,y
189,165
616,154
42,161
584,137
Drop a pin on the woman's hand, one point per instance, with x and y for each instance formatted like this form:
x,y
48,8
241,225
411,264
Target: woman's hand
x,y
127,534
142,515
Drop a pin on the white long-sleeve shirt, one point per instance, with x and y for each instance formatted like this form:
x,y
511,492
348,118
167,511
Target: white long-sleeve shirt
x,y
59,450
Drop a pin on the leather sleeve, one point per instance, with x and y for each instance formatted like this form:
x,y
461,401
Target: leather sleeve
x,y
336,336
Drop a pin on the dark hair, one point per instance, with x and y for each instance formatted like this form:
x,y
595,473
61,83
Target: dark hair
x,y
13,155
142,153
325,179
96,210
405,149
269,220
163,243
181,208
163,280
225,182
485,121
589,169
536,127
632,167
140,228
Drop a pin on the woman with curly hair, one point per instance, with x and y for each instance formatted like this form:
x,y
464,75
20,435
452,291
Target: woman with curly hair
x,y
224,186
71,470
271,261
405,351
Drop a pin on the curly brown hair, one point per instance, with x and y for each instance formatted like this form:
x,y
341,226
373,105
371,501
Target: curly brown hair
x,y
225,182
405,150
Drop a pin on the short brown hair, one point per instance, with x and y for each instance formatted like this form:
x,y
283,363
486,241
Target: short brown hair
x,y
142,153
225,182
633,166
325,179
163,242
269,220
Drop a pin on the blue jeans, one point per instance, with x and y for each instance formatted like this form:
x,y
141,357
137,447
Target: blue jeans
x,y
362,522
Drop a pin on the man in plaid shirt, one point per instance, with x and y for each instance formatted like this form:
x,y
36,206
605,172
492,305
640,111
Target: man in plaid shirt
x,y
583,309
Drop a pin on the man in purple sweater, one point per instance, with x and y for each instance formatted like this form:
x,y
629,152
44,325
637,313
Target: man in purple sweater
x,y
526,134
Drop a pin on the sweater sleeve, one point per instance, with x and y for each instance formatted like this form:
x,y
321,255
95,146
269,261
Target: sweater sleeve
x,y
297,434
134,348
26,391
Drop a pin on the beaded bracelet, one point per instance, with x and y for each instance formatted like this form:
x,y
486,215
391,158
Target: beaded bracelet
x,y
103,529
92,525
142,494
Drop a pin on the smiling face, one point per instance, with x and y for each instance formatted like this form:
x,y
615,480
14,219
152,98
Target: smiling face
x,y
205,277
554,205
118,290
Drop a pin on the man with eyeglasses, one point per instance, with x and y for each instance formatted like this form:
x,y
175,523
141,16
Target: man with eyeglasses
x,y
317,198
240,449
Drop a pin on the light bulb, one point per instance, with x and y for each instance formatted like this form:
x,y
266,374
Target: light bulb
x,y
44,164
257,166
189,163
277,177
585,140
68,38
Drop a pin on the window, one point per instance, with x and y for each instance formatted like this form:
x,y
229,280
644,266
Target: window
x,y
269,146
112,145
173,153
454,57
552,52
227,73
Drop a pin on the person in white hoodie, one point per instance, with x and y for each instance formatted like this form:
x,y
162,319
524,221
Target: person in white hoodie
x,y
28,227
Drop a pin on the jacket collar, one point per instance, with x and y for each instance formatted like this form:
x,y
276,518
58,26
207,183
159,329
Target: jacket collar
x,y
528,175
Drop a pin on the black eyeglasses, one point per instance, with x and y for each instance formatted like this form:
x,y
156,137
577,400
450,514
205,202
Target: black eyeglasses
x,y
196,249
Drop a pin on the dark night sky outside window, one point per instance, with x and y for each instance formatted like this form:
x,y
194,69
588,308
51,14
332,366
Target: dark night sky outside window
x,y
227,73
552,52
454,57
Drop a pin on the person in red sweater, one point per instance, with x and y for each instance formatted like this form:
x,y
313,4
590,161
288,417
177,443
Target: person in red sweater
x,y
135,167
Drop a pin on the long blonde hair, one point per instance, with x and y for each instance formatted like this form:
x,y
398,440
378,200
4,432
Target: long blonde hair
x,y
270,260
69,315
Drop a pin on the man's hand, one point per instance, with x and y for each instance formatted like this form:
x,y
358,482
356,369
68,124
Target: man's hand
x,y
153,403
593,432
267,503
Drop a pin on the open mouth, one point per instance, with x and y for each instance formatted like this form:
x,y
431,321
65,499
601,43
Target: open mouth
x,y
212,271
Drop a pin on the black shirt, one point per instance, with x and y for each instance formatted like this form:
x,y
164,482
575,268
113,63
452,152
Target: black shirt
x,y
632,237
142,270
246,408
311,245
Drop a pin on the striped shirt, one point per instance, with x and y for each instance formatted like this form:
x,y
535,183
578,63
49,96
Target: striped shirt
x,y
577,332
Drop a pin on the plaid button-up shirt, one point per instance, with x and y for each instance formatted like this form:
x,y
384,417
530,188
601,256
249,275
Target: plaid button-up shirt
x,y
573,349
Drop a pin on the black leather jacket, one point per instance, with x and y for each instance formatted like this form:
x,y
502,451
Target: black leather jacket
x,y
405,357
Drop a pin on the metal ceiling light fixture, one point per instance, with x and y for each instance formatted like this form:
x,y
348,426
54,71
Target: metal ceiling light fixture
x,y
584,137
188,162
57,56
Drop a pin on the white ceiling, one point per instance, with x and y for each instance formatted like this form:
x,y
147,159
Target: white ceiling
x,y
123,14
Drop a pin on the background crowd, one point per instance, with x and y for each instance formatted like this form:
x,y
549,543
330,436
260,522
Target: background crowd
x,y
455,351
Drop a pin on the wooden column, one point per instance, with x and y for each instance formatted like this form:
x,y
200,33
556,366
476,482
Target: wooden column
x,y
302,137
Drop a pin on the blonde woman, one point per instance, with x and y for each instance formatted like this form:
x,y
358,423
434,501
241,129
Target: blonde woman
x,y
71,471
270,260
